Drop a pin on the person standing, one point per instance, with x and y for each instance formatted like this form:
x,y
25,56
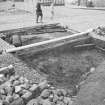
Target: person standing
x,y
39,12
52,10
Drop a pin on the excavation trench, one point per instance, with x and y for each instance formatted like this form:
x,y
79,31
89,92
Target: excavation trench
x,y
65,65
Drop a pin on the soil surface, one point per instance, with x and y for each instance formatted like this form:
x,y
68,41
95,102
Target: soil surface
x,y
64,68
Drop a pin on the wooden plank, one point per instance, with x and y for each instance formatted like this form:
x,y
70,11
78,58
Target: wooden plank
x,y
46,42
84,45
100,48
55,45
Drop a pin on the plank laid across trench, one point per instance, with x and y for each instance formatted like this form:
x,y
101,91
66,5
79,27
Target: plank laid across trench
x,y
64,39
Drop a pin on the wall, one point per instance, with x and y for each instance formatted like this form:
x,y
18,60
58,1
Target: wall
x,y
99,3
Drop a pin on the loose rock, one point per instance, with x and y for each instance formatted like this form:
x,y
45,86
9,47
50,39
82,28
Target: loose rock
x,y
16,83
9,99
27,96
18,101
17,89
67,101
45,94
44,102
43,85
32,102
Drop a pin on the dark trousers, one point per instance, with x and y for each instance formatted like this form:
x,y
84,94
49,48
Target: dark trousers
x,y
39,14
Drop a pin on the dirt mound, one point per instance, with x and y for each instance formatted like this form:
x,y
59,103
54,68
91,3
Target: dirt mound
x,y
93,90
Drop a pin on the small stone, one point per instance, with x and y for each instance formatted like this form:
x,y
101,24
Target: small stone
x,y
17,89
92,69
61,98
60,93
51,97
18,101
45,94
5,103
25,86
1,75
3,97
2,78
64,92
21,79
44,102
70,93
43,85
17,77
2,91
9,90
1,102
68,101
27,96
22,92
12,79
60,103
55,99
11,70
16,83
33,88
9,99
15,96
26,80
52,88
7,84
32,102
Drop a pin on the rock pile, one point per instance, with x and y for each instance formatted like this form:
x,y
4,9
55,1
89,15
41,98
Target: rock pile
x,y
99,31
16,90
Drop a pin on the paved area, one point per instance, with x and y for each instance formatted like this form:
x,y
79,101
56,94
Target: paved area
x,y
78,19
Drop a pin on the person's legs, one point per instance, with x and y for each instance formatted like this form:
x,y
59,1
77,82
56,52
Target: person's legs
x,y
41,18
37,17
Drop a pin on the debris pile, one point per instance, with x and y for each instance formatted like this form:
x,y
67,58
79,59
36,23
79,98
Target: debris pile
x,y
99,31
16,90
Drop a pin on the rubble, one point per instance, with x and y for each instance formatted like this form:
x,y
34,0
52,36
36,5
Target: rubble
x,y
99,31
19,91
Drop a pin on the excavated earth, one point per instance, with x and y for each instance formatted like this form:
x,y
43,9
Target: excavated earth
x,y
66,68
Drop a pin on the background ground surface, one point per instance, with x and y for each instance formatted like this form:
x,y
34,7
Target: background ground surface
x,y
78,19
93,91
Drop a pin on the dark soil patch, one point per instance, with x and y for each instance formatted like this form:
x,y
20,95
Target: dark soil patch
x,y
64,68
